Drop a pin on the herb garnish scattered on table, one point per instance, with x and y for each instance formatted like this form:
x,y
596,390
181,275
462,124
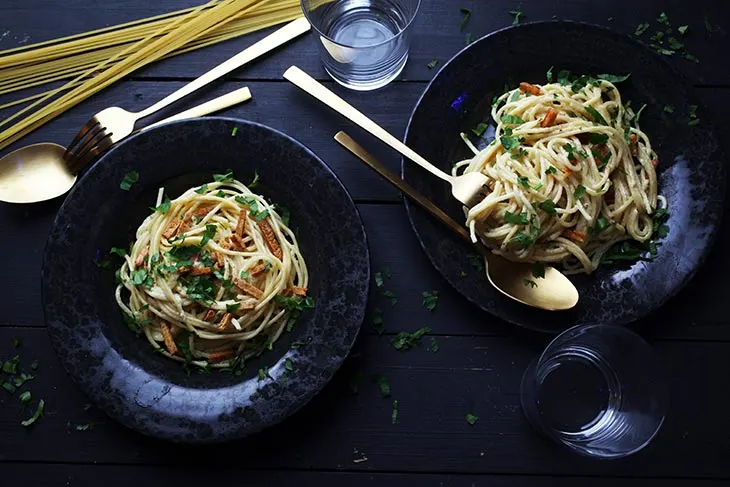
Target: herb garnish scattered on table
x,y
405,341
383,384
430,299
471,419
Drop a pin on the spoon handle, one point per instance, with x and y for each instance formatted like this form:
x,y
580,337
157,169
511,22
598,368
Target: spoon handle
x,y
323,94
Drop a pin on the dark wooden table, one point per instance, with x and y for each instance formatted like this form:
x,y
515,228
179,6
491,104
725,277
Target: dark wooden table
x,y
345,435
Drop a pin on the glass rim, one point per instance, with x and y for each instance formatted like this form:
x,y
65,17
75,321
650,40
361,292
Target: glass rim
x,y
322,34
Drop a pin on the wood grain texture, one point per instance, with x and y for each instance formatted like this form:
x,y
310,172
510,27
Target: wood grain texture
x,y
436,33
478,375
122,476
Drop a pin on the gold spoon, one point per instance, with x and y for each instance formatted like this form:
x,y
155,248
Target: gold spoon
x,y
38,172
468,189
553,292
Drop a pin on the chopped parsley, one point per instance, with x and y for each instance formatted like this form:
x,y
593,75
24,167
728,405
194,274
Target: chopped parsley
x,y
208,234
253,205
432,64
693,120
164,206
383,384
564,77
511,120
663,19
295,305
264,373
405,341
597,139
128,180
394,414
434,346
221,194
430,299
479,129
551,170
529,283
641,28
465,20
234,131
523,181
202,189
118,251
601,224
227,177
549,75
509,142
516,218
548,206
517,14
37,414
391,296
597,117
255,181
201,288
233,307
288,364
580,191
25,397
471,419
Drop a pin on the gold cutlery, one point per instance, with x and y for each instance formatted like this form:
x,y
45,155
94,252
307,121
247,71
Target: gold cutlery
x,y
554,292
38,172
113,124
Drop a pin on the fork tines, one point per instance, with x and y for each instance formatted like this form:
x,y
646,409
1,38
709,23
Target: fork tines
x,y
91,141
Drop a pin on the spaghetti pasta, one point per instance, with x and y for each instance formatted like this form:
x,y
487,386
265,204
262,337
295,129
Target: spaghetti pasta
x,y
572,175
214,276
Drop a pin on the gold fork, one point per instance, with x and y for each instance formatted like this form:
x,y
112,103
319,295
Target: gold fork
x,y
113,124
469,188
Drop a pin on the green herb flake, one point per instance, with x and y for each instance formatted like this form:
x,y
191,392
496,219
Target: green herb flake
x,y
516,219
227,177
579,192
128,180
663,19
613,78
25,397
9,387
11,366
405,341
597,117
549,75
433,345
37,414
564,77
548,206
383,384
693,120
208,234
378,279
480,129
517,15
202,189
600,225
234,131
529,283
465,19
598,139
84,427
233,307
430,299
164,207
551,170
641,28
118,251
682,29
468,39
432,64
511,120
394,414
288,364
523,181
263,373
471,419
523,239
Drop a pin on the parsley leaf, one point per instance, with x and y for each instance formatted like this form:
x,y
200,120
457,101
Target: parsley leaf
x,y
405,341
255,181
668,109
118,251
548,206
601,224
516,219
288,364
164,206
597,139
613,78
551,170
471,419
227,177
564,77
202,189
37,414
480,129
234,131
549,75
523,239
140,277
208,234
434,346
128,180
641,28
597,117
263,373
465,20
511,120
430,300
517,14
383,383
432,64
579,192
25,397
378,321
693,120
682,29
663,19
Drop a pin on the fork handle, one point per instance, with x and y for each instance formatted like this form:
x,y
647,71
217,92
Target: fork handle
x,y
272,41
323,94
214,105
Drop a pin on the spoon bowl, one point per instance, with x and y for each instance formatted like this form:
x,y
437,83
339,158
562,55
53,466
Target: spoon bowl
x,y
34,173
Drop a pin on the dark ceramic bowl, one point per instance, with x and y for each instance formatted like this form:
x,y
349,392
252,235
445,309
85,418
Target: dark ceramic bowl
x,y
691,169
119,371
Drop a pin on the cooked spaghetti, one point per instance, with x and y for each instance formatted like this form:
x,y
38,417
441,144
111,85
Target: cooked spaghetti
x,y
214,276
571,175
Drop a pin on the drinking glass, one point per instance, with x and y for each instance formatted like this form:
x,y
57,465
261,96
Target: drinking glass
x,y
363,43
597,389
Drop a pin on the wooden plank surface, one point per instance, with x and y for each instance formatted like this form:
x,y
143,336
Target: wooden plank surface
x,y
478,375
436,33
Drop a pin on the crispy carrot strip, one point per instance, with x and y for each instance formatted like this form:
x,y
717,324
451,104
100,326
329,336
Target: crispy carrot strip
x,y
201,271
296,291
258,269
531,89
270,238
215,357
247,288
219,262
167,337
634,145
201,211
549,119
225,322
241,226
140,258
576,235
209,315
237,243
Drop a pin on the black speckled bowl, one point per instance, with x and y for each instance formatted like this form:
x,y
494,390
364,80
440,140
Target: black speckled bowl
x,y
121,374
691,169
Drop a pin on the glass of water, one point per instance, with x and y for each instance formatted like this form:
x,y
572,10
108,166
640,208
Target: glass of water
x,y
597,389
363,43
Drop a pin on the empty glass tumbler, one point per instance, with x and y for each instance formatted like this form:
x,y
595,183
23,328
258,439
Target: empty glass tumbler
x,y
363,43
597,389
